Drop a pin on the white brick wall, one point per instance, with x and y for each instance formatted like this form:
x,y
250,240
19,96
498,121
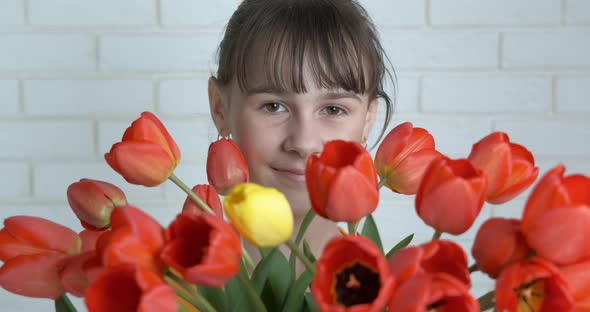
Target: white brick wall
x,y
74,74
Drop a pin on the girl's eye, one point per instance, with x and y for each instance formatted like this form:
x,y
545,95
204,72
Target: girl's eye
x,y
334,110
273,107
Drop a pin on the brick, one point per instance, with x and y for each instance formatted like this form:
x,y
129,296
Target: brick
x,y
46,52
52,97
441,49
158,52
51,180
8,96
455,141
500,12
407,101
15,179
396,12
546,49
573,94
41,139
577,12
186,12
184,96
555,137
108,12
486,94
12,13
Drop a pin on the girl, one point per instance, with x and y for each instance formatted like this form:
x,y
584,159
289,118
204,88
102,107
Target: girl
x,y
294,74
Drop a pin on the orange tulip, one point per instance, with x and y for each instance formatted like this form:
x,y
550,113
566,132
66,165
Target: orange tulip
x,y
433,292
147,154
451,195
532,285
93,201
32,249
352,275
556,218
403,156
226,166
204,249
510,167
499,242
209,195
130,287
342,182
578,278
440,256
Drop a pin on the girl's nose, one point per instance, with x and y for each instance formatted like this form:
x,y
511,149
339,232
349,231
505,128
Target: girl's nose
x,y
304,139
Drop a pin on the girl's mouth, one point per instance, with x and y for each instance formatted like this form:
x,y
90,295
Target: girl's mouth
x,y
293,175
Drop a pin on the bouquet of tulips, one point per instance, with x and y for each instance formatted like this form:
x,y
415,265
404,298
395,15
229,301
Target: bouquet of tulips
x,y
124,260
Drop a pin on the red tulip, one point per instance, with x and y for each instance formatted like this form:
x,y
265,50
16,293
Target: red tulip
x,y
74,275
32,249
451,195
433,292
440,256
556,219
93,201
510,167
342,182
135,238
403,156
532,285
578,278
499,243
130,288
226,166
147,154
209,195
204,249
352,275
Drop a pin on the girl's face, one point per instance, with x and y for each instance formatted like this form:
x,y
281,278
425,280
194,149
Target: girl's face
x,y
278,131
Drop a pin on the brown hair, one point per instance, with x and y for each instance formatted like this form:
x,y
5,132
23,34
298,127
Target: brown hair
x,y
336,39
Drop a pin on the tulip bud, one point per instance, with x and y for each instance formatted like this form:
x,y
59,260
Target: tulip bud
x,y
451,195
147,155
403,156
510,167
499,243
226,166
209,195
93,201
261,215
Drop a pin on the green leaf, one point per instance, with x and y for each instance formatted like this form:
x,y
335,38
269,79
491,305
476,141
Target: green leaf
x,y
63,304
370,230
307,252
272,279
264,252
310,304
236,296
302,229
215,296
403,243
295,298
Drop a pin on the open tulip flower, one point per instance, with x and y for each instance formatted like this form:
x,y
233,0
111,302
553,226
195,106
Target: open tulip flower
x,y
342,182
532,285
203,248
451,195
226,166
352,275
510,167
147,155
498,243
556,218
93,201
403,156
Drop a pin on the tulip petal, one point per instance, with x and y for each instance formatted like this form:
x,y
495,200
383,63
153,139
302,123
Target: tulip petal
x,y
171,143
73,276
148,129
353,194
159,299
545,195
146,228
140,163
406,178
33,275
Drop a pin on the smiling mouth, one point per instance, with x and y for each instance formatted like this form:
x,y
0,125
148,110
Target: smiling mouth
x,y
296,176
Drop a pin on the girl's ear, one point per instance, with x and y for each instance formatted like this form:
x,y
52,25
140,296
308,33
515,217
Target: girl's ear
x,y
217,107
370,119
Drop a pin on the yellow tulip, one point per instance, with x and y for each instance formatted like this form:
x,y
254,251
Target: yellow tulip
x,y
260,214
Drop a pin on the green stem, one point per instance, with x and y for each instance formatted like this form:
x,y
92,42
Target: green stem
x,y
294,249
63,304
190,193
436,235
251,292
309,216
473,268
194,298
382,182
486,301
352,226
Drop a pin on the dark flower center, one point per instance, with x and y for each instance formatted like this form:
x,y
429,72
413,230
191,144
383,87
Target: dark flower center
x,y
357,284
